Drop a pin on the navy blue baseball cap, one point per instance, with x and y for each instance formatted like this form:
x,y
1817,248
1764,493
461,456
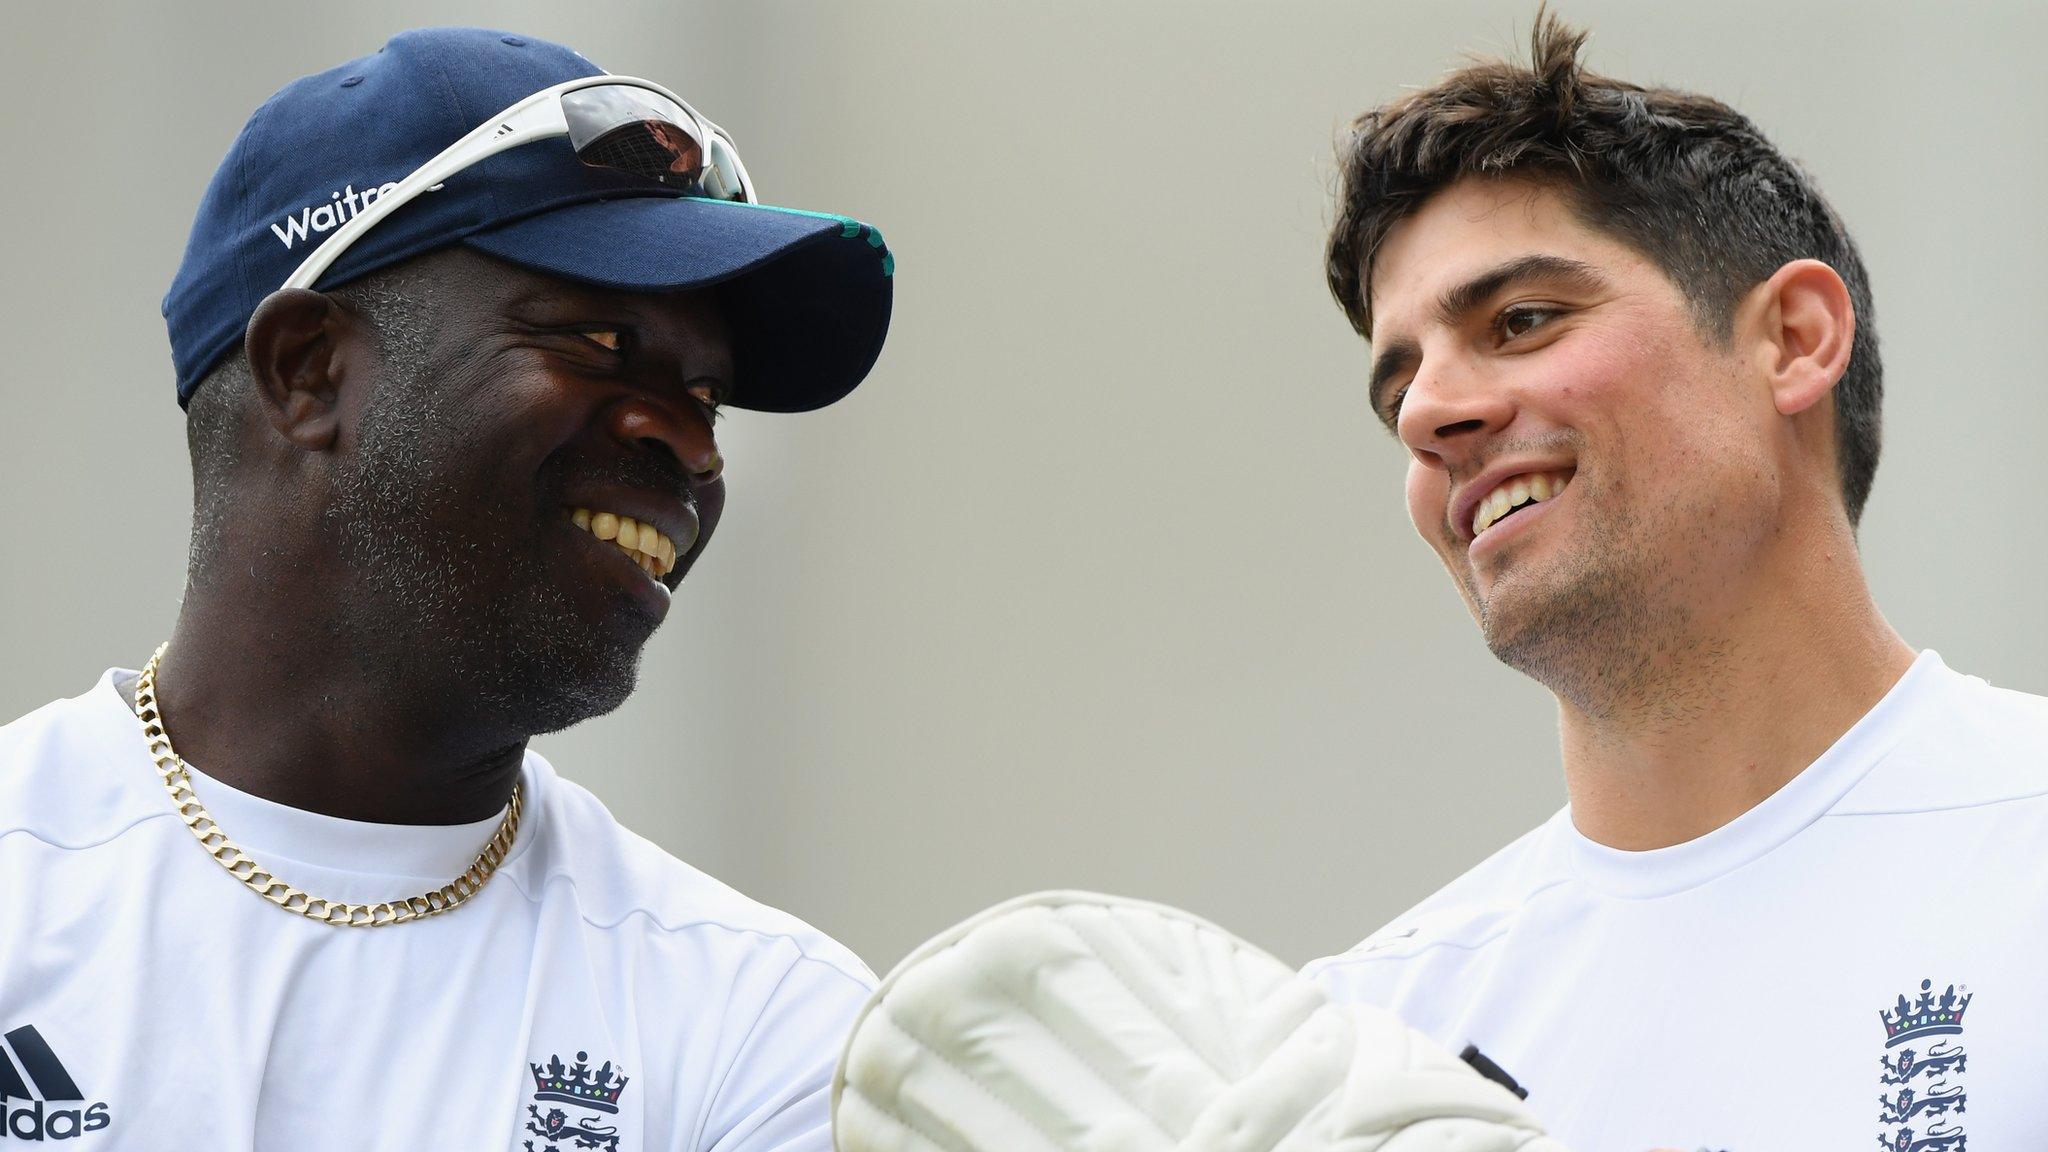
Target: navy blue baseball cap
x,y
807,294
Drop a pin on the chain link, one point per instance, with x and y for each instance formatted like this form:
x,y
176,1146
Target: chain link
x,y
259,880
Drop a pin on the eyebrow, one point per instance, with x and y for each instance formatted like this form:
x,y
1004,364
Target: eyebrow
x,y
1460,299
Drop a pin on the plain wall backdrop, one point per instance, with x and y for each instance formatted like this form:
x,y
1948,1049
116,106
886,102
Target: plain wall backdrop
x,y
1103,578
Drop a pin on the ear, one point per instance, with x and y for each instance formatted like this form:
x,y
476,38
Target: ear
x,y
1808,328
296,344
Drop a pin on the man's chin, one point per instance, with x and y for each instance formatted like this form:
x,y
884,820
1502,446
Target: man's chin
x,y
571,703
1581,637
546,688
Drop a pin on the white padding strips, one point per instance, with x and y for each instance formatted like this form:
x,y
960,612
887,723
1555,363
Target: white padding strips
x,y
1072,1022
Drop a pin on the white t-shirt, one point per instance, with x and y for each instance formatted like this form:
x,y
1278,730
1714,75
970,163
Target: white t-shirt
x,y
1862,958
597,994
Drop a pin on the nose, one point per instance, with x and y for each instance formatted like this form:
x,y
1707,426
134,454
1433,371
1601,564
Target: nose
x,y
678,428
1448,409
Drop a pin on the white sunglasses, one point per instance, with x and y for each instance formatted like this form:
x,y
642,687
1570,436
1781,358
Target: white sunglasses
x,y
616,122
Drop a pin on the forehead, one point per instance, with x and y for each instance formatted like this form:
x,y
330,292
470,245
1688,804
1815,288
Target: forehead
x,y
1474,226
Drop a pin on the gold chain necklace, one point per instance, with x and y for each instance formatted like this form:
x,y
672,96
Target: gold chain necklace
x,y
254,877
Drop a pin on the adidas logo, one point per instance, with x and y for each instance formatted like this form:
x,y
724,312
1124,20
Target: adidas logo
x,y
48,1112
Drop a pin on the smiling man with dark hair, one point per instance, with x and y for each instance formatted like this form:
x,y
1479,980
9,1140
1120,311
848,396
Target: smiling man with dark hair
x,y
299,882
1630,353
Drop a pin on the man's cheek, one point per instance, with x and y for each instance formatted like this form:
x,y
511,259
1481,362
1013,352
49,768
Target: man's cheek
x,y
1426,494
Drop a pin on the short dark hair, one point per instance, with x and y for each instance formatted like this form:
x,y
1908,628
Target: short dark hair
x,y
398,302
1685,180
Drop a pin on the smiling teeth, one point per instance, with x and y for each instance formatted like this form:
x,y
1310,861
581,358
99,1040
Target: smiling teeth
x,y
642,543
1513,493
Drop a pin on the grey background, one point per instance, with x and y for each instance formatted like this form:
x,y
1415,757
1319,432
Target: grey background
x,y
1103,578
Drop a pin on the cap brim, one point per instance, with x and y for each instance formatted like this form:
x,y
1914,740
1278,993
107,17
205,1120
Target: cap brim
x,y
807,295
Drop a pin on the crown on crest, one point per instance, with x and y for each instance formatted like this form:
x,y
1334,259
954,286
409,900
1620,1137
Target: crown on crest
x,y
1929,1015
578,1083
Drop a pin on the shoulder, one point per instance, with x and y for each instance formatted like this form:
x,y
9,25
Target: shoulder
x,y
620,882
54,726
74,773
1971,745
1454,927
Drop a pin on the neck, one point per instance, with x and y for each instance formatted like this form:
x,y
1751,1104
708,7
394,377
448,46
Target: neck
x,y
1732,711
266,699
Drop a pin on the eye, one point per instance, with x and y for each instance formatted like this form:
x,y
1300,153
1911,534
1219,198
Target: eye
x,y
1522,319
1393,412
609,339
709,395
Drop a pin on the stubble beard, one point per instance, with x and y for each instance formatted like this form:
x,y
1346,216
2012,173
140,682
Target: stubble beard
x,y
436,609
1598,624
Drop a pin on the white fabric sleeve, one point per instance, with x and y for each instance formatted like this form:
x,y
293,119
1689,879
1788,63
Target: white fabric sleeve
x,y
775,1092
1071,1022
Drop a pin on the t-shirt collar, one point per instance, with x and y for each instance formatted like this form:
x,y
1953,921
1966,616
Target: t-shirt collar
x,y
269,831
1782,815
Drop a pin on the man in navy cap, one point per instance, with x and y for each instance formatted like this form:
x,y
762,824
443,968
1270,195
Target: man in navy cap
x,y
453,329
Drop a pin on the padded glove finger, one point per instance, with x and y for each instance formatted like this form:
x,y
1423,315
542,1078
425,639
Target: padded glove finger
x,y
1072,1022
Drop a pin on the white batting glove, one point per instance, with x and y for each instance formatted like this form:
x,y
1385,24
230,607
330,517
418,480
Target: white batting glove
x,y
1072,1022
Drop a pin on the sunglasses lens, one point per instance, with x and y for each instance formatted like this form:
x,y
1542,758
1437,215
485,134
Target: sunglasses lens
x,y
634,130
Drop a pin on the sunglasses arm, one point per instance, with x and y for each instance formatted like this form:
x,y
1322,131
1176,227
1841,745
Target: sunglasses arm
x,y
536,117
